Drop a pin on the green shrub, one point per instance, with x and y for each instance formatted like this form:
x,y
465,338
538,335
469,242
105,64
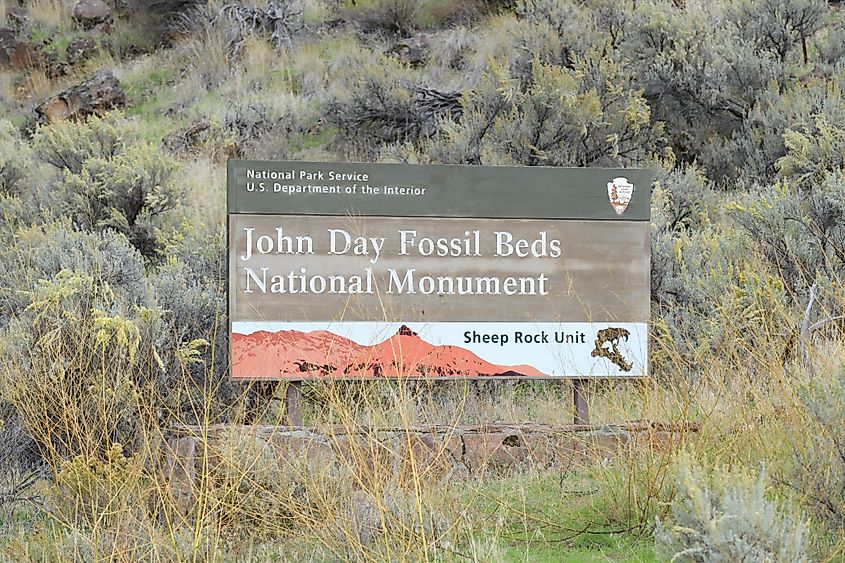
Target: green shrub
x,y
90,487
111,179
40,252
699,77
77,362
798,230
371,101
758,150
191,287
15,161
588,115
68,145
21,198
818,449
724,515
129,193
778,27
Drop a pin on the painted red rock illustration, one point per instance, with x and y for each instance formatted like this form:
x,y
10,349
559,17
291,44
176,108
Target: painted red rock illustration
x,y
290,353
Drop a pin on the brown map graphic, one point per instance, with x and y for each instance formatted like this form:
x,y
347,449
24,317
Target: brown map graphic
x,y
323,354
611,336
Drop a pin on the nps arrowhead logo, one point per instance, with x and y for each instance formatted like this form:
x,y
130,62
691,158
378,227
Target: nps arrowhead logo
x,y
620,191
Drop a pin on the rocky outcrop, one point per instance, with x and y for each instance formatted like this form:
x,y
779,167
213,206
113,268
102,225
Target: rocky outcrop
x,y
95,96
181,140
16,53
80,50
412,51
91,13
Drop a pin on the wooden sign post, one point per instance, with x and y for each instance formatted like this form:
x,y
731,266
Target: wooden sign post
x,y
293,402
579,395
368,271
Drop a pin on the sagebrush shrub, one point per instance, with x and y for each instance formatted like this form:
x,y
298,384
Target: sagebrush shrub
x,y
110,179
40,252
778,27
76,362
68,145
130,193
818,450
799,230
587,115
698,78
724,515
14,160
391,16
371,103
758,150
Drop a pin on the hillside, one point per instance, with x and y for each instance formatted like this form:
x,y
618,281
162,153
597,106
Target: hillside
x,y
117,118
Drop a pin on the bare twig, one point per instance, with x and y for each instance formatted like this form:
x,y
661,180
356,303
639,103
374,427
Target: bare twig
x,y
279,20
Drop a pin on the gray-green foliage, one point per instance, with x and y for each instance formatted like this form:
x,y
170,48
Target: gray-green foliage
x,y
819,449
15,161
778,27
725,516
783,115
799,230
111,179
707,297
40,252
95,268
77,358
128,193
19,201
371,101
586,115
68,145
194,340
698,78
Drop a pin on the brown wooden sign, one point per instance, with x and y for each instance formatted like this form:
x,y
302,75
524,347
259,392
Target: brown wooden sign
x,y
365,271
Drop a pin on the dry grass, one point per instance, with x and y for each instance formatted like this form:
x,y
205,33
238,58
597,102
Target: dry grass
x,y
119,505
36,85
208,47
51,15
7,87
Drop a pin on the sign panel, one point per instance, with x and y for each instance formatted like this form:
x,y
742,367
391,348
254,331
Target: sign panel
x,y
375,270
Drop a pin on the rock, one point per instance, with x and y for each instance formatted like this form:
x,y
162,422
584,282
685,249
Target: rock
x,y
91,13
80,50
56,68
421,455
292,448
15,53
412,51
494,450
606,442
95,96
16,16
366,455
183,139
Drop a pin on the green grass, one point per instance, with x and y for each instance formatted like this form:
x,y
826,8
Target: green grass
x,y
147,90
149,95
307,141
59,43
551,516
623,549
